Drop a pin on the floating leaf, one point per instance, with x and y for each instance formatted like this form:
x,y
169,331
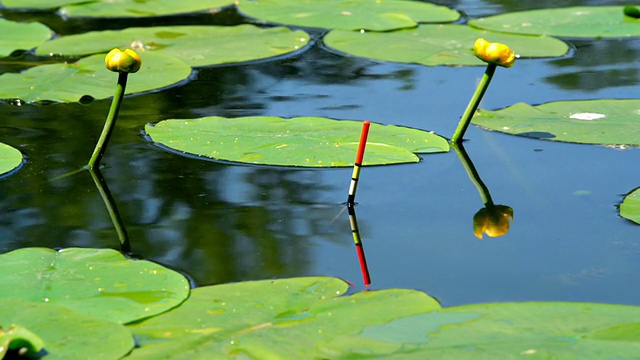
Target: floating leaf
x,y
433,45
89,78
16,337
304,141
630,207
137,8
540,330
195,45
67,334
21,36
100,282
272,319
348,14
574,22
607,122
37,4
10,158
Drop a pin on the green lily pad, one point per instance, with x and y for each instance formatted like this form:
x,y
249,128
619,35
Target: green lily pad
x,y
511,330
434,45
67,334
272,319
195,45
137,8
348,14
606,122
37,4
304,141
574,22
16,337
21,36
100,282
10,158
89,78
630,207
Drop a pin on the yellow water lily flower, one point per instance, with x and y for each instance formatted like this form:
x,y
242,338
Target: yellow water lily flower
x,y
493,220
123,61
494,53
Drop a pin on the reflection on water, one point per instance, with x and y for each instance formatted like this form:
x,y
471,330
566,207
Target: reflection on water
x,y
493,220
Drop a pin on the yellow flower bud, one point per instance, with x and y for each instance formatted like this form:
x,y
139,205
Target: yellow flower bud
x,y
123,61
494,53
493,220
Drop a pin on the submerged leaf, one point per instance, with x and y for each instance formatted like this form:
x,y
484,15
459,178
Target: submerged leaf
x,y
304,141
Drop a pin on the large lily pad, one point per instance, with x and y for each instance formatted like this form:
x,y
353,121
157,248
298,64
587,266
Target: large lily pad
x,y
273,319
437,44
21,36
195,45
304,141
574,22
607,122
137,8
348,14
67,334
100,282
630,207
513,330
90,78
10,158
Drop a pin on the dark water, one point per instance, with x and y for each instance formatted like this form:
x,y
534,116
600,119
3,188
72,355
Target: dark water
x,y
223,222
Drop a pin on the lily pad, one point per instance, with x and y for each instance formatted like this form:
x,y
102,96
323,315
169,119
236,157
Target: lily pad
x,y
16,337
272,319
88,78
630,207
37,4
434,45
21,36
512,330
10,158
137,8
348,14
606,122
195,45
573,22
100,282
304,141
67,334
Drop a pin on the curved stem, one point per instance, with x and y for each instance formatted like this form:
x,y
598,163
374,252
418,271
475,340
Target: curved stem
x,y
110,123
473,174
473,104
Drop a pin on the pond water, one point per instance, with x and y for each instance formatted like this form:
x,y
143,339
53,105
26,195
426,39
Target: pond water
x,y
220,222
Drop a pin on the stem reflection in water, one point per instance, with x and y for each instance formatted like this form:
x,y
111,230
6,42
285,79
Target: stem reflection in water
x,y
114,214
493,220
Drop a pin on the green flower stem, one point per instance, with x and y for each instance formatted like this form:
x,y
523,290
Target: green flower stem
x,y
110,123
473,104
110,203
473,174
